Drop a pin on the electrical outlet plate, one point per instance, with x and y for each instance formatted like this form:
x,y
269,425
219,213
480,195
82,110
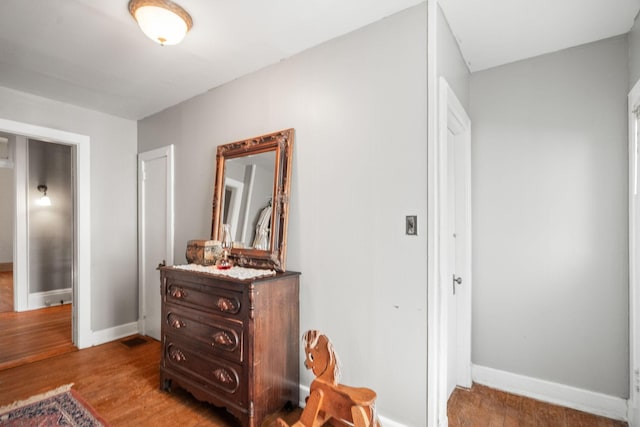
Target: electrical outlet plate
x,y
411,225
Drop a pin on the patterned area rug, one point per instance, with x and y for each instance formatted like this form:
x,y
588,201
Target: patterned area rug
x,y
60,407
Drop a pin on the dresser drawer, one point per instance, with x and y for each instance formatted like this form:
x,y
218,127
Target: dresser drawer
x,y
205,297
226,379
207,332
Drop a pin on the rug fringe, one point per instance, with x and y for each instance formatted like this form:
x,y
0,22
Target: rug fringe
x,y
20,403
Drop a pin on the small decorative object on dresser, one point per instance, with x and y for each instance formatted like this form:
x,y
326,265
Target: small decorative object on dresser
x,y
203,252
224,263
231,342
328,400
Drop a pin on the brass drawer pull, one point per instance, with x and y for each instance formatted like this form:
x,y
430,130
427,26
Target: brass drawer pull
x,y
222,376
176,355
226,305
178,293
223,339
176,322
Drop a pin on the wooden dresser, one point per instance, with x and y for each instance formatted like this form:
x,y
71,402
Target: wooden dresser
x,y
233,343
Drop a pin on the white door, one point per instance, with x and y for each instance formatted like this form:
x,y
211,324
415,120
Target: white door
x,y
155,232
458,303
456,263
452,301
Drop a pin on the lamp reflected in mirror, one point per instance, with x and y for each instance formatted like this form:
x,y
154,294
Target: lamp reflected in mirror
x,y
225,263
44,200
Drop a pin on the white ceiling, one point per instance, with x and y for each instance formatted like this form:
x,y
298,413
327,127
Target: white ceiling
x,y
497,32
91,53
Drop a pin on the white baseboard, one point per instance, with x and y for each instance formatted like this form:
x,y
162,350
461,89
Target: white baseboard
x,y
49,298
546,391
633,413
111,334
386,422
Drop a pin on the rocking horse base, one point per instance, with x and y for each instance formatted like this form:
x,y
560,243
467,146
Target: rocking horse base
x,y
312,416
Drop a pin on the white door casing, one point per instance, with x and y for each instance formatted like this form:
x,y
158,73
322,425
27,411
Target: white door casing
x,y
633,414
155,232
454,127
234,189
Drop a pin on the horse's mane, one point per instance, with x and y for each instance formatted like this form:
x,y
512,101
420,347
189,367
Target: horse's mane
x,y
311,338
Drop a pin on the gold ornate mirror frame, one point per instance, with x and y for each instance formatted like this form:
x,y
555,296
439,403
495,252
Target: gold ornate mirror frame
x,y
281,143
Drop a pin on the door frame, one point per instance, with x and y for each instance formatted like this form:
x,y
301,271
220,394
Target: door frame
x,y
233,216
633,414
450,114
159,153
82,335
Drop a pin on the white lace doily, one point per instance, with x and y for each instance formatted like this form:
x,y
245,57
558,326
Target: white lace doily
x,y
242,273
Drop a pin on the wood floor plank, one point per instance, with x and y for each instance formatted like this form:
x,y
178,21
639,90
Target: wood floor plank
x,y
34,335
482,406
6,291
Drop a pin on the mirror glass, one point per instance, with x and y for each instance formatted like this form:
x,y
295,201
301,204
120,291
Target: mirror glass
x,y
251,195
247,199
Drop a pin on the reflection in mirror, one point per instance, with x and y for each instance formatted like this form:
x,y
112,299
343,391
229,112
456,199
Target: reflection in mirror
x,y
248,194
251,195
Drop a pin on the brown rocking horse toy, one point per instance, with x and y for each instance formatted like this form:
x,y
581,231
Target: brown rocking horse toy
x,y
328,400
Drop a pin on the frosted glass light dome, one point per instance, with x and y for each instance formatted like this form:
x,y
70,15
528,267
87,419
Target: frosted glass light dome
x,y
162,21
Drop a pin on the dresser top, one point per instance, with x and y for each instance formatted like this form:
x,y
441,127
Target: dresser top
x,y
235,274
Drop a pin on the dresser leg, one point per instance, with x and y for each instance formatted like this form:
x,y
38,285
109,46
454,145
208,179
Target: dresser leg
x,y
165,383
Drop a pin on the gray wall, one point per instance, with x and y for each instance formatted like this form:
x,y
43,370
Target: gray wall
x,y
6,214
114,283
550,217
450,63
50,227
358,104
634,52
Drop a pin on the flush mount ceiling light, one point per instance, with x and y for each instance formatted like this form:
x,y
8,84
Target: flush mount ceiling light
x,y
163,21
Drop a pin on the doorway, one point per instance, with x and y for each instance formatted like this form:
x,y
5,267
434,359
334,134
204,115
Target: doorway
x,y
7,212
456,134
50,219
155,232
452,293
458,260
81,307
43,173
